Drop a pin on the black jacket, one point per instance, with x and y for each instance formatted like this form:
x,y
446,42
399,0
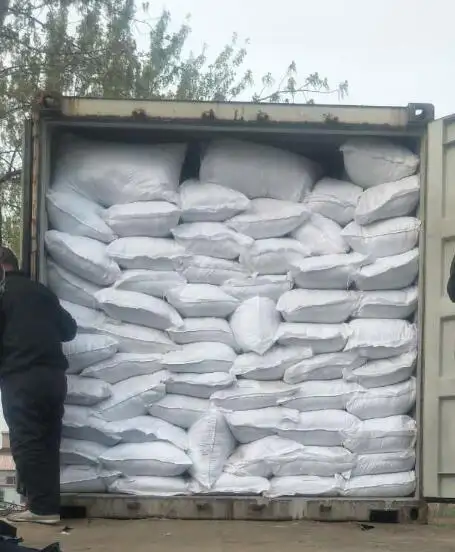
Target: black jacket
x,y
33,326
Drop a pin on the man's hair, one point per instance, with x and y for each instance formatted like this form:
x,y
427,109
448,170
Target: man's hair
x,y
8,258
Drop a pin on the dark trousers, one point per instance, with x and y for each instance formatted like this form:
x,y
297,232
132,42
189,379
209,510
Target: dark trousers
x,y
33,409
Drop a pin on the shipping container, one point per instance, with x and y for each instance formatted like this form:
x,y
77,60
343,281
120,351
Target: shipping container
x,y
316,131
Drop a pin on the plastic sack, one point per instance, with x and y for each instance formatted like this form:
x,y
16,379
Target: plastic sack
x,y
247,287
381,435
327,271
200,358
131,397
378,338
142,485
392,199
138,339
320,395
273,256
70,287
146,429
153,219
387,462
158,459
179,410
210,445
400,303
251,425
111,172
373,161
76,215
334,199
387,371
199,385
146,253
87,349
326,366
321,428
255,169
87,320
83,423
85,479
389,273
320,338
382,402
388,485
304,485
318,461
270,366
321,236
85,257
233,484
199,269
201,301
208,202
254,325
196,330
317,306
269,218
384,237
123,366
150,282
83,453
212,239
250,395
138,308
86,392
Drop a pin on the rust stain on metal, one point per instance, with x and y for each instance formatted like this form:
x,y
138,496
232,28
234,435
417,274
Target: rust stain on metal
x,y
209,115
262,116
139,114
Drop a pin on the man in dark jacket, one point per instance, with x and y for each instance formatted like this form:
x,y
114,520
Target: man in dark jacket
x,y
33,326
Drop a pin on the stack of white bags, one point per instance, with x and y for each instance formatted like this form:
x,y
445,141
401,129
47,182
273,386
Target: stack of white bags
x,y
250,332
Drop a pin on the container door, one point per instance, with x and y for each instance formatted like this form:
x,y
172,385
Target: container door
x,y
438,344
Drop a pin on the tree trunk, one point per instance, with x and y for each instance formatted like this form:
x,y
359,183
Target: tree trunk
x,y
4,6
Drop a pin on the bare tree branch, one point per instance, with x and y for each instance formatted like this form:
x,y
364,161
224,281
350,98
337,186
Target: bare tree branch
x,y
9,175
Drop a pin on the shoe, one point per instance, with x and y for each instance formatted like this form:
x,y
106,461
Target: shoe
x,y
30,517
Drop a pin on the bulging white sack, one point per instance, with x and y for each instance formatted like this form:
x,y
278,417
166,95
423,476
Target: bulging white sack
x,y
388,485
208,202
376,338
392,199
153,219
318,461
200,358
320,338
138,339
196,330
111,173
123,366
83,423
320,395
400,303
247,287
251,425
146,429
327,271
321,236
273,255
328,306
86,391
158,459
373,161
179,410
381,435
321,428
304,485
199,385
387,462
146,253
254,325
150,282
88,349
210,445
255,170
70,287
85,257
270,366
387,371
394,272
85,479
142,485
76,215
83,453
384,237
326,366
199,269
233,484
212,239
334,199
269,218
250,395
138,308
87,320
201,300
132,397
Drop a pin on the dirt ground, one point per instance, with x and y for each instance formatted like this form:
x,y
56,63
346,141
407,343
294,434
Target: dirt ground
x,y
229,536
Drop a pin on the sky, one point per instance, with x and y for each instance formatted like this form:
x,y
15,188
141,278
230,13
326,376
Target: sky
x,y
392,52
